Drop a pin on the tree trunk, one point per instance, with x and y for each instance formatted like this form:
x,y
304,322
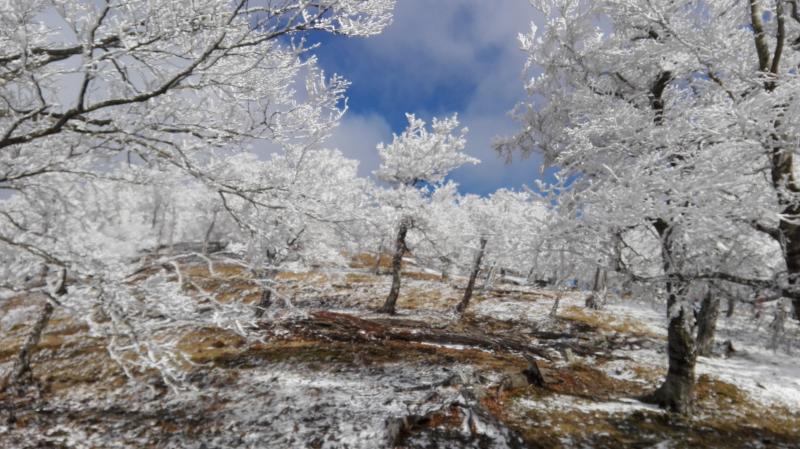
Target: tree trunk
x,y
593,300
487,281
791,251
731,306
446,266
476,266
554,309
707,324
265,302
397,263
209,230
787,189
677,392
378,258
21,371
777,327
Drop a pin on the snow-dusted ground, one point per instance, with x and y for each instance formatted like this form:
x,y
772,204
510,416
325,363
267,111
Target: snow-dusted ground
x,y
333,404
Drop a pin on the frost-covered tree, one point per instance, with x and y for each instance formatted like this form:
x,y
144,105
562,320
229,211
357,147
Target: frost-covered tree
x,y
414,161
97,96
664,118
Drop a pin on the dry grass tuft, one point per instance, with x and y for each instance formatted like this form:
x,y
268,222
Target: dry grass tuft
x,y
211,345
606,322
367,261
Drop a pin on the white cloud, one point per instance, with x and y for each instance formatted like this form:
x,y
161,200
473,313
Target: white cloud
x,y
357,136
432,46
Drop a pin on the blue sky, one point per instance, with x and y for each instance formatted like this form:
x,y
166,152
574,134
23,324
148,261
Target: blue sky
x,y
438,57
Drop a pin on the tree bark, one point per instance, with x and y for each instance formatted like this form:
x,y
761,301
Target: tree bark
x,y
400,249
786,187
707,324
676,394
334,326
476,266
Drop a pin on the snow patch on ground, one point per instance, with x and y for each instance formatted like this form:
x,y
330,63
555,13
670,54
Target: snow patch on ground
x,y
564,402
772,379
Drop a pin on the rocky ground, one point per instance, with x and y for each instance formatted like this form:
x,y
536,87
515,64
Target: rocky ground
x,y
334,374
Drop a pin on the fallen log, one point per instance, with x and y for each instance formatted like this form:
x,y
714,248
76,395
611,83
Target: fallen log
x,y
343,327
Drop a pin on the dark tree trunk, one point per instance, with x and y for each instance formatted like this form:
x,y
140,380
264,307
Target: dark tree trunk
x,y
209,230
791,251
731,306
397,263
476,266
707,324
593,300
265,302
677,392
787,189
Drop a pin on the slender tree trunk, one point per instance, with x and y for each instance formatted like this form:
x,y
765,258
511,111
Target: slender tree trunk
x,y
265,302
21,371
677,392
530,279
209,230
731,306
593,301
556,303
446,266
777,327
397,263
476,266
378,257
487,281
707,324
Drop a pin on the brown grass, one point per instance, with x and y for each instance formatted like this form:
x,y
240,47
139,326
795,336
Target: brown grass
x,y
606,322
211,345
420,276
367,260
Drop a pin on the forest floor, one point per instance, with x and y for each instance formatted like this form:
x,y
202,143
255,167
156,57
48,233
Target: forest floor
x,y
332,373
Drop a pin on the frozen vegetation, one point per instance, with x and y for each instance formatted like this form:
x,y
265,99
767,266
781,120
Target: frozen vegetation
x,y
163,285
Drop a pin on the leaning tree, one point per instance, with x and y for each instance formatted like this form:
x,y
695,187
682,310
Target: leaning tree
x,y
416,161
